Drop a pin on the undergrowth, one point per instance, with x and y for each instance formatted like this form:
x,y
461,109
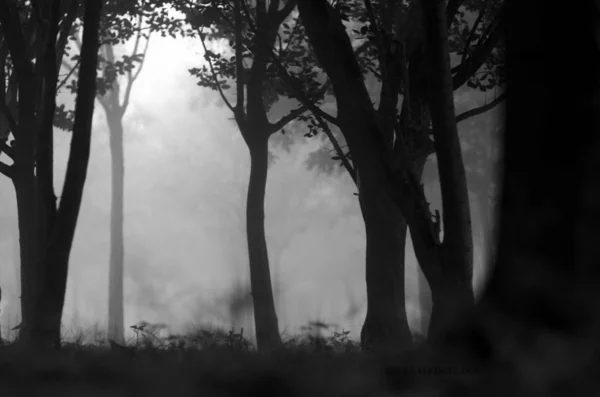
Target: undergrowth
x,y
208,362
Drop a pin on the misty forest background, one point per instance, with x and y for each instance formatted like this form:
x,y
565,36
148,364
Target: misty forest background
x,y
186,171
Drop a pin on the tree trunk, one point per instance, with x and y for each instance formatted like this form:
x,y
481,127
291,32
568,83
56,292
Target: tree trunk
x,y
456,295
116,330
49,301
265,317
487,238
386,327
29,247
536,327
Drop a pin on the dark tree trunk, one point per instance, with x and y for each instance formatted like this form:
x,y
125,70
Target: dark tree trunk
x,y
357,120
386,324
537,325
45,234
265,317
457,247
51,302
28,251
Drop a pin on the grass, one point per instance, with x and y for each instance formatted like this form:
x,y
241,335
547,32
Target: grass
x,y
204,363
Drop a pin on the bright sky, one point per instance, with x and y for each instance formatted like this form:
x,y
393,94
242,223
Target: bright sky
x,y
186,178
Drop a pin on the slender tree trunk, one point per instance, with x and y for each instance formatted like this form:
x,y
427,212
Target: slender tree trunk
x,y
265,317
457,248
116,330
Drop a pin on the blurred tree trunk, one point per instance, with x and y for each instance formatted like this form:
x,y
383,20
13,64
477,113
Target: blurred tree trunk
x,y
116,331
114,111
540,308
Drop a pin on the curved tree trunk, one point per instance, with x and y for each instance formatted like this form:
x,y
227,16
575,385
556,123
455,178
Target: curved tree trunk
x,y
265,317
116,330
361,128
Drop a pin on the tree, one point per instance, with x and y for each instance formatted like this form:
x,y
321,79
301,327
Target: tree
x,y
109,97
457,247
540,305
46,231
261,30
402,142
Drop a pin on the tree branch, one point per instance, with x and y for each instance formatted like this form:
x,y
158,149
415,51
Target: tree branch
x,y
472,34
214,74
465,70
239,64
451,10
131,77
299,94
285,11
9,151
71,72
379,40
279,124
65,29
6,170
10,24
338,149
481,109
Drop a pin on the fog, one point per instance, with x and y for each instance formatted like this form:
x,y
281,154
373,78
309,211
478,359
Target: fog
x,y
185,183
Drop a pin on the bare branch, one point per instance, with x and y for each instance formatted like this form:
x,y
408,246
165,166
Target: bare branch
x,y
481,109
279,124
214,74
338,150
9,151
472,34
132,77
285,11
71,69
6,170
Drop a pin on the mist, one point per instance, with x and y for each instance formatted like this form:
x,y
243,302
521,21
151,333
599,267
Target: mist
x,y
186,175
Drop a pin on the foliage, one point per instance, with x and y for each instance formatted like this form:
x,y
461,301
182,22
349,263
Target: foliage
x,y
121,21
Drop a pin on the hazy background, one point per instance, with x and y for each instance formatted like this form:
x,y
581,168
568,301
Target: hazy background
x,y
185,183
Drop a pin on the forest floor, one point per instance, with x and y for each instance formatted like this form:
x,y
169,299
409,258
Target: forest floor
x,y
224,366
